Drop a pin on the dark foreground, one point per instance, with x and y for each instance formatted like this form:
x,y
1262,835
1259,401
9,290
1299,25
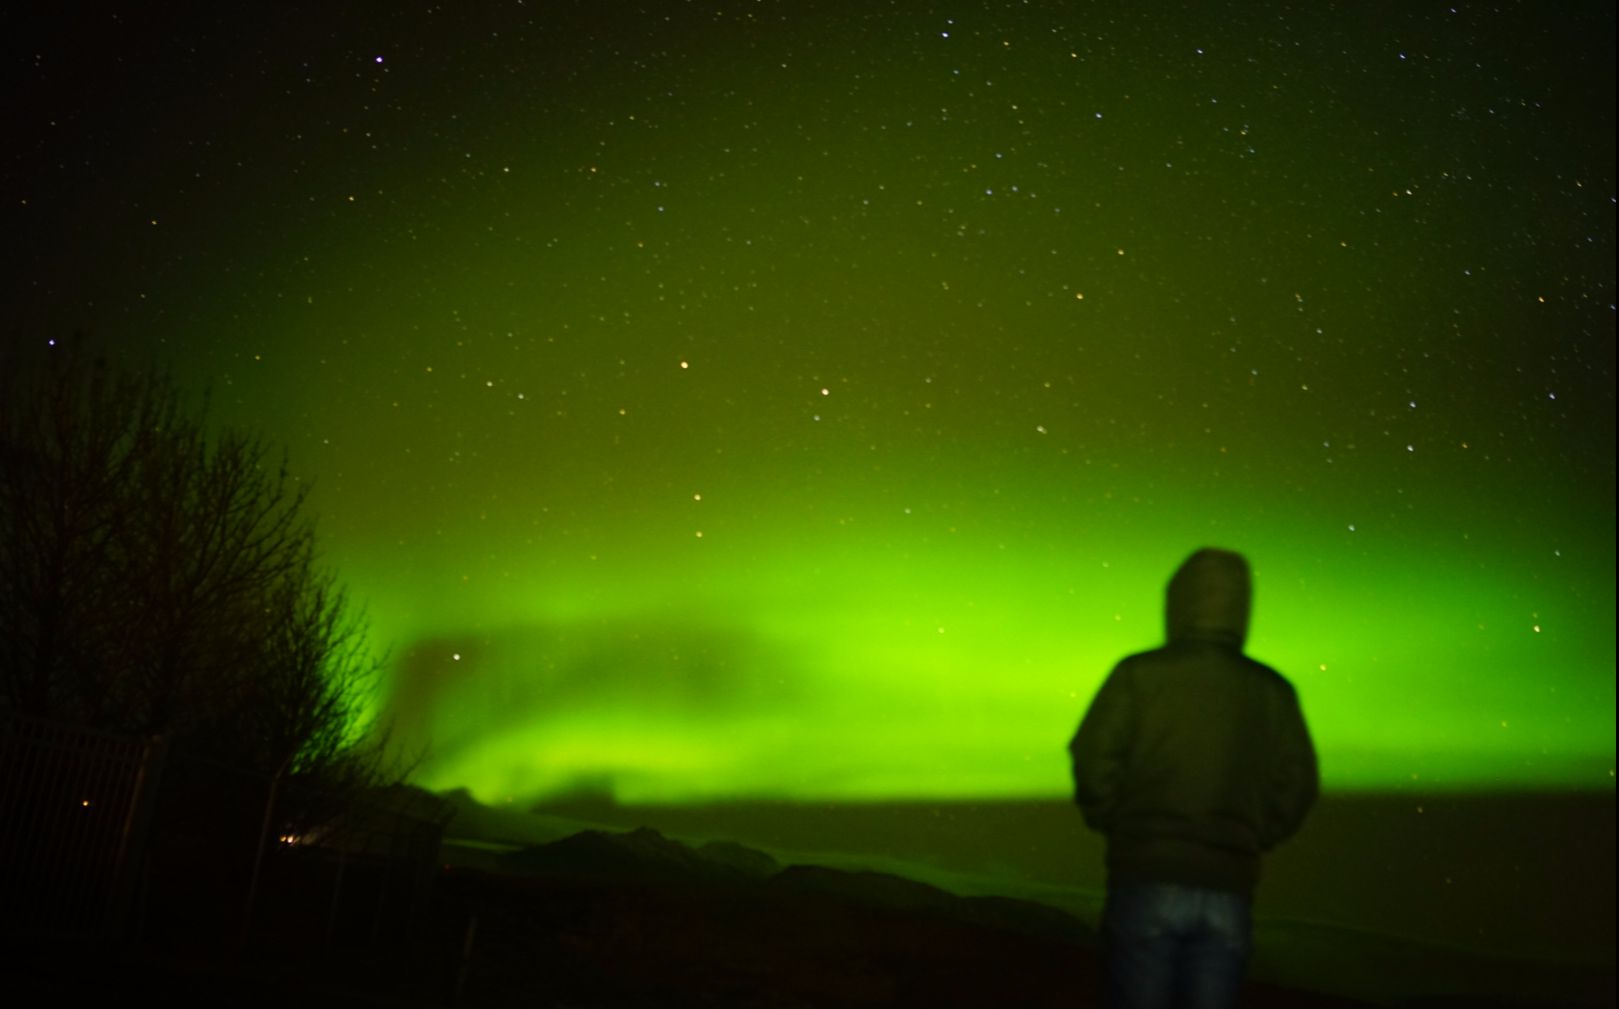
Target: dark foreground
x,y
603,919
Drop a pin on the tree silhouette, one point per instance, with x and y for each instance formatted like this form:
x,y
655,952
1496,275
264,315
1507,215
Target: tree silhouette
x,y
158,577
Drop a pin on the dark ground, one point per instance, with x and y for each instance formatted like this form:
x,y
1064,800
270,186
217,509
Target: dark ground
x,y
605,919
633,920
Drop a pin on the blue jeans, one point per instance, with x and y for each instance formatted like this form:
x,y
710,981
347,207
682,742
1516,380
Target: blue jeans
x,y
1166,945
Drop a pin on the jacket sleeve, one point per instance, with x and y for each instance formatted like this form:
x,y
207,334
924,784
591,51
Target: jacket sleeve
x,y
1101,751
1295,780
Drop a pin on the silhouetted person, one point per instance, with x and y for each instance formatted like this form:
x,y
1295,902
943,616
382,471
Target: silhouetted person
x,y
1193,760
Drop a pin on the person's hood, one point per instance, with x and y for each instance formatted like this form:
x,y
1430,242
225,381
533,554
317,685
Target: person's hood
x,y
1209,598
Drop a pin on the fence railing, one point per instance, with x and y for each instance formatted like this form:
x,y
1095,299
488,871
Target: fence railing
x,y
74,808
113,838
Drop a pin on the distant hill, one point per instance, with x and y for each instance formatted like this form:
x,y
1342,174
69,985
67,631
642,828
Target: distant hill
x,y
646,856
818,900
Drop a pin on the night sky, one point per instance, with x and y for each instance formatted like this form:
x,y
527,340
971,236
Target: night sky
x,y
722,400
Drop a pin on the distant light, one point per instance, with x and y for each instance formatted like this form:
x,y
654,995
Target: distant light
x,y
455,656
379,59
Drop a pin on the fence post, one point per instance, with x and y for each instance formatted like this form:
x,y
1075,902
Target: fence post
x,y
258,856
465,966
130,861
337,896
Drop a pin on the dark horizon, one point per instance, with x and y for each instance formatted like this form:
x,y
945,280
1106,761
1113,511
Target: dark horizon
x,y
1404,865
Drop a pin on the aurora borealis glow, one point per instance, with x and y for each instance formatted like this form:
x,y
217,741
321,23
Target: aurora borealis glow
x,y
812,400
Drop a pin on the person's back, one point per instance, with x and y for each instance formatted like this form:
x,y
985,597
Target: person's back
x,y
1193,760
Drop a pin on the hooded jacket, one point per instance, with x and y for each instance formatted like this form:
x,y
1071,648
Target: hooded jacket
x,y
1194,759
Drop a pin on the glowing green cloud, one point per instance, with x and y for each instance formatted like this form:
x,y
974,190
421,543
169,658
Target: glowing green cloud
x,y
904,660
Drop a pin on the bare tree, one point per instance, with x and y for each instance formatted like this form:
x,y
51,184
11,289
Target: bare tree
x,y
160,577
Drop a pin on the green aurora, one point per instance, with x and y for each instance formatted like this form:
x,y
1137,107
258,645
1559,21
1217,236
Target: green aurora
x,y
806,404
854,666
